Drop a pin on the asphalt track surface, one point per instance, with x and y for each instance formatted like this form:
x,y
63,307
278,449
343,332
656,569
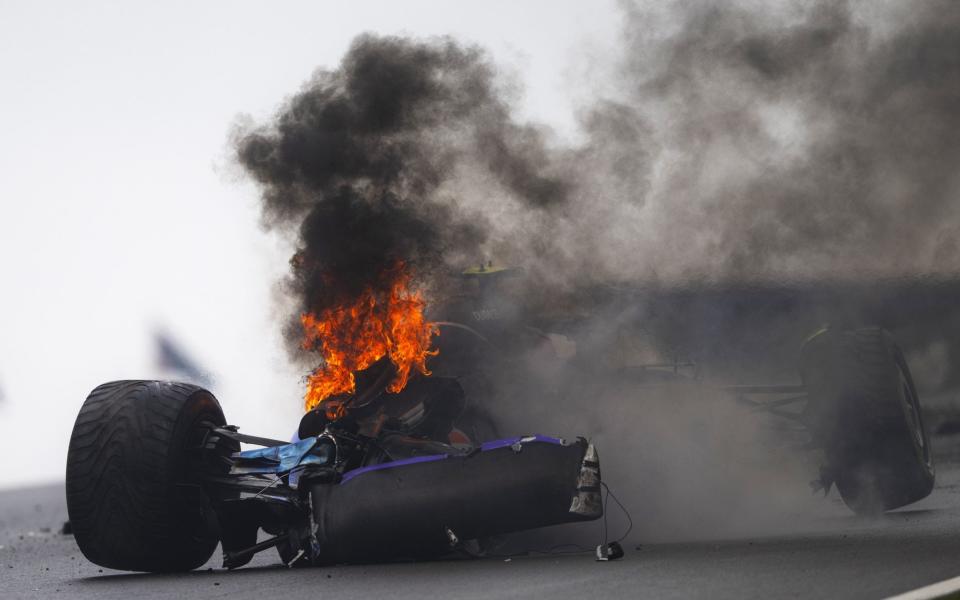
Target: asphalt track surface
x,y
837,556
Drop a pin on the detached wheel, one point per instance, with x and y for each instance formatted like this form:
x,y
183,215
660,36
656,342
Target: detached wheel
x,y
133,469
865,411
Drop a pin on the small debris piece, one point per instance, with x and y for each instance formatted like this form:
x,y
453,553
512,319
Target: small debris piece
x,y
452,537
67,528
611,551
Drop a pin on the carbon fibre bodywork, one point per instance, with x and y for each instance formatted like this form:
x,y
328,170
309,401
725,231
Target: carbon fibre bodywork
x,y
424,505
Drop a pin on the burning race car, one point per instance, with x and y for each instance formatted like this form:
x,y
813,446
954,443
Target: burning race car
x,y
156,478
380,470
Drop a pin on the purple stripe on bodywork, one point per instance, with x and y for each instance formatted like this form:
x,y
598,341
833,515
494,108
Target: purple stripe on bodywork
x,y
484,447
522,439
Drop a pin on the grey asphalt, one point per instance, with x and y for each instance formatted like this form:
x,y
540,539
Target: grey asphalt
x,y
837,555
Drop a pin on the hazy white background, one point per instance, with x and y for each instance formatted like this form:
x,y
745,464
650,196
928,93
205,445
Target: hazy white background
x,y
120,210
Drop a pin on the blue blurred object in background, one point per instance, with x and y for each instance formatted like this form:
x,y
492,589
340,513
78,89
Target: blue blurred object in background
x,y
171,357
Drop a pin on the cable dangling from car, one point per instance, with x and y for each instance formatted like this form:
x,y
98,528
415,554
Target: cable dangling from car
x,y
612,550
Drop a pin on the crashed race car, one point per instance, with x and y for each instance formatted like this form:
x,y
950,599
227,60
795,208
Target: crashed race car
x,y
156,479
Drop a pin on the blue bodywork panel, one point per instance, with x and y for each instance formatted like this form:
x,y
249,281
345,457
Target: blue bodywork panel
x,y
279,460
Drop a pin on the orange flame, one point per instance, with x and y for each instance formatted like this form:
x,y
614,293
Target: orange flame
x,y
352,336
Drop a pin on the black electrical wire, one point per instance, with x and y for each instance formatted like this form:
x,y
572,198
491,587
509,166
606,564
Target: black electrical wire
x,y
606,501
626,513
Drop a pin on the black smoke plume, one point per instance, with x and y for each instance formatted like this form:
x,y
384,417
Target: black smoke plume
x,y
366,164
774,142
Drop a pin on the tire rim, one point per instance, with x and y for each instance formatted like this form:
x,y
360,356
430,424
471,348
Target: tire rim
x,y
911,409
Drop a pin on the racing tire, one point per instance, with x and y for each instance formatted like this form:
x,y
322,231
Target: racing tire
x,y
133,468
864,409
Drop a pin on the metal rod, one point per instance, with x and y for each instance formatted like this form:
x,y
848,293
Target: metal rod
x,y
462,326
237,559
250,439
799,418
245,483
780,402
670,365
764,389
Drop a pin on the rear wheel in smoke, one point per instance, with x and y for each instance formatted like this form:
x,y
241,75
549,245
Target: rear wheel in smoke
x,y
865,411
133,475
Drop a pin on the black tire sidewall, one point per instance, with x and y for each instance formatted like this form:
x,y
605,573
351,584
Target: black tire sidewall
x,y
856,412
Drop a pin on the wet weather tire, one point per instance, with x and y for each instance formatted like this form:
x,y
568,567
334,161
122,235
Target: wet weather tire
x,y
132,485
865,411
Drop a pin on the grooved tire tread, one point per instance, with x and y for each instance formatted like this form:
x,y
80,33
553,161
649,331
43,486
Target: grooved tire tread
x,y
131,500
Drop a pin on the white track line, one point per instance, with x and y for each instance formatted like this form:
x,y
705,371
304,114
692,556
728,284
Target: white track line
x,y
945,589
